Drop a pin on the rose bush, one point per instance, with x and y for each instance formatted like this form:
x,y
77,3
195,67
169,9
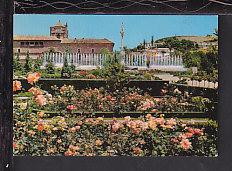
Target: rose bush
x,y
82,136
71,135
102,100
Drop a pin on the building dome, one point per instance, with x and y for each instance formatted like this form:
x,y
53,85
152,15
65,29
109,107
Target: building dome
x,y
59,24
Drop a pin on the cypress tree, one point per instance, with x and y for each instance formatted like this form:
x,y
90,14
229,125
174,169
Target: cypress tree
x,y
28,63
66,69
17,66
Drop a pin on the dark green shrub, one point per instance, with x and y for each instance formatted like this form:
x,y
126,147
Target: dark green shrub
x,y
28,64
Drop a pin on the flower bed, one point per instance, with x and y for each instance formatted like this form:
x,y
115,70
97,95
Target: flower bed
x,y
82,136
70,134
102,100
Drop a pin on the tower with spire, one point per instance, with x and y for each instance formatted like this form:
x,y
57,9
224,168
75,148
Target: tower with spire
x,y
59,30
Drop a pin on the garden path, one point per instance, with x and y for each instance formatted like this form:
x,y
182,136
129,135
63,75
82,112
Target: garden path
x,y
171,78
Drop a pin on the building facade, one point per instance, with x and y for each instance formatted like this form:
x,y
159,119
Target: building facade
x,y
58,41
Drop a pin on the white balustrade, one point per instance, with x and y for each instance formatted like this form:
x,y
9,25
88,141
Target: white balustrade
x,y
136,59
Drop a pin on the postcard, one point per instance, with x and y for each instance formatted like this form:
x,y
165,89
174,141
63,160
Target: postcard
x,y
115,85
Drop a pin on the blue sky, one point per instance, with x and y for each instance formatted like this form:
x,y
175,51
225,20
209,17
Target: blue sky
x,y
137,27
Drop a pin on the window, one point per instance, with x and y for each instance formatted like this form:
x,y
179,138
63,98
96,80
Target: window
x,y
18,50
27,43
41,43
36,43
92,50
32,43
78,50
22,43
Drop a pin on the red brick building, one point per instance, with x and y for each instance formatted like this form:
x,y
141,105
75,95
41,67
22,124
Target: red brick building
x,y
58,41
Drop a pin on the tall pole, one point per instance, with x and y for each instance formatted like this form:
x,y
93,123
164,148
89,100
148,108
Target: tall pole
x,y
122,32
122,53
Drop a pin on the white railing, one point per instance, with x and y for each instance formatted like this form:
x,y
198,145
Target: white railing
x,y
131,60
159,60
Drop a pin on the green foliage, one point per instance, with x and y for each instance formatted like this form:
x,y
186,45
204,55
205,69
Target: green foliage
x,y
28,64
17,66
50,69
205,61
147,76
67,70
37,64
193,58
24,94
210,61
178,45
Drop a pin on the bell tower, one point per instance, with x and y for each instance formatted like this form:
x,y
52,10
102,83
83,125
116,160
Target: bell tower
x,y
59,30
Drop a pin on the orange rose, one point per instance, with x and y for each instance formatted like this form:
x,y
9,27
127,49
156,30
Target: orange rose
x,y
98,142
69,153
14,145
115,127
152,124
198,131
17,85
59,141
40,100
35,91
137,151
40,114
34,77
185,144
188,134
73,129
31,132
40,127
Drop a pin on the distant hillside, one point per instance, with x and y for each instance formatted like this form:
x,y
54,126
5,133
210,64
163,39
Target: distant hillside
x,y
196,39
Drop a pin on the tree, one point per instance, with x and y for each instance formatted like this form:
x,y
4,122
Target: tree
x,y
73,67
17,66
66,69
126,50
144,44
186,45
139,47
108,56
152,41
50,69
37,64
209,62
193,58
205,61
105,51
172,43
28,63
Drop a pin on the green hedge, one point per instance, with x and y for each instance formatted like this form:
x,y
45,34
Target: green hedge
x,y
153,87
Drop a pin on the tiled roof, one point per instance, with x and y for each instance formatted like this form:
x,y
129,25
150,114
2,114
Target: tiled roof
x,y
53,38
59,24
83,40
34,38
